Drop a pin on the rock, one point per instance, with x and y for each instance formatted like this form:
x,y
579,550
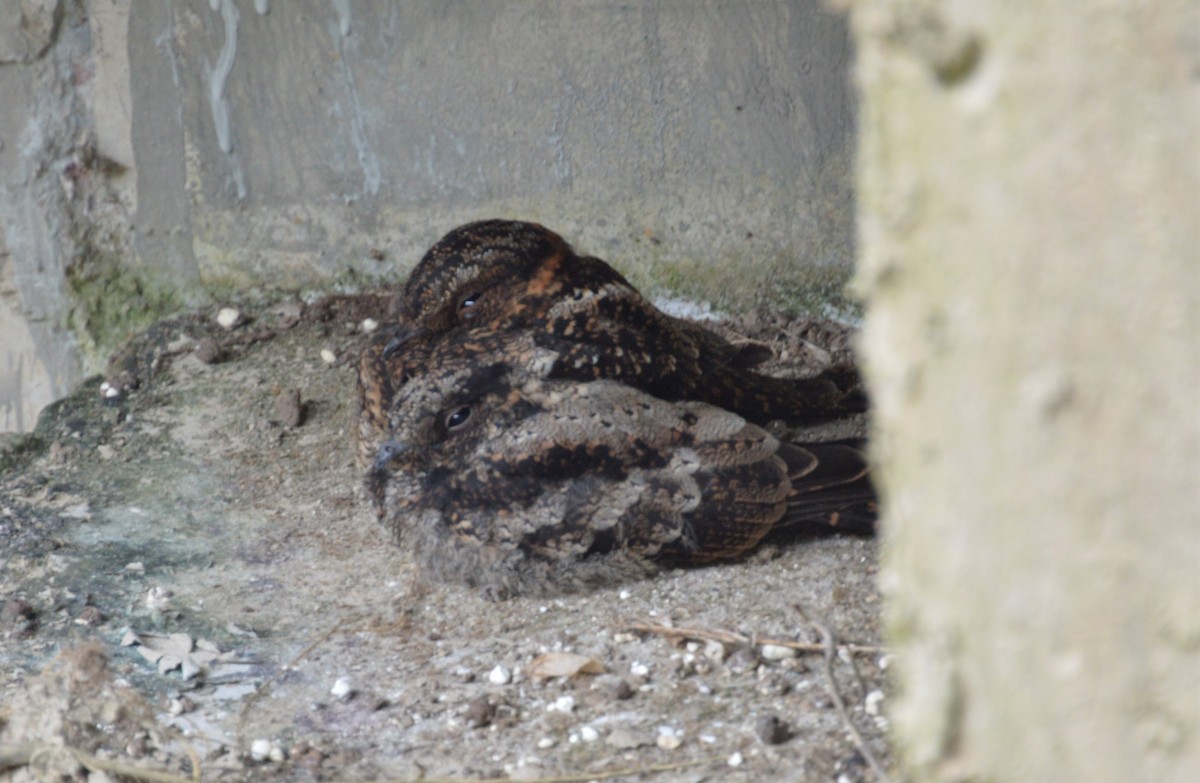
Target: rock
x,y
289,410
208,351
479,712
229,318
623,691
777,652
624,739
260,750
771,730
342,689
500,675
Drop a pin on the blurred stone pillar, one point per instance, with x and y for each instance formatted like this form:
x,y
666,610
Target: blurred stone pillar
x,y
1029,184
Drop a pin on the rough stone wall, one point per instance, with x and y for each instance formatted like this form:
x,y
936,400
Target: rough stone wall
x,y
168,152
1029,180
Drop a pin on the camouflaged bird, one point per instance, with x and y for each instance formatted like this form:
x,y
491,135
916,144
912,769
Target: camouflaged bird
x,y
507,275
513,482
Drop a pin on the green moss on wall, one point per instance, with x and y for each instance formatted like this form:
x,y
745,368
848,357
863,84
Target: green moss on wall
x,y
111,301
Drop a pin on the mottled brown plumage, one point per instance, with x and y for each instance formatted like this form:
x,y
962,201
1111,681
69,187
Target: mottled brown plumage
x,y
506,479
509,275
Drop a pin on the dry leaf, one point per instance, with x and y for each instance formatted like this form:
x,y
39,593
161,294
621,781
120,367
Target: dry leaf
x,y
176,651
560,664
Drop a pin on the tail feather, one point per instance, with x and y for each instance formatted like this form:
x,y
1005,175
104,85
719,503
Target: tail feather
x,y
837,492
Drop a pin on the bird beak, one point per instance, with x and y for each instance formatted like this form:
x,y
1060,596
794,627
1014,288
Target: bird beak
x,y
389,451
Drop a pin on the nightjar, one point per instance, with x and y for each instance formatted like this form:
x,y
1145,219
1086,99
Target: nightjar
x,y
508,275
498,475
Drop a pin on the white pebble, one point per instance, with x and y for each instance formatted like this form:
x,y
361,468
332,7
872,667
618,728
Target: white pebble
x,y
777,652
736,759
369,325
328,356
260,749
342,689
277,754
158,598
229,317
546,742
499,675
624,595
873,700
562,704
639,669
714,651
588,734
668,741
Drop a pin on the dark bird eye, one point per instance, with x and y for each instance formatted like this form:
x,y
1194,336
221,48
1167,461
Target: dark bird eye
x,y
458,418
468,302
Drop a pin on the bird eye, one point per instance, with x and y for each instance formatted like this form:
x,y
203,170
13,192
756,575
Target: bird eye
x,y
458,418
468,302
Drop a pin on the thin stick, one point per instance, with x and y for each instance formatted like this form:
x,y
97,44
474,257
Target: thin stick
x,y
579,777
730,637
26,754
832,687
263,689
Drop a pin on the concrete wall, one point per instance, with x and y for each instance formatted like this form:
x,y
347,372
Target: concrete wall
x,y
169,152
1030,231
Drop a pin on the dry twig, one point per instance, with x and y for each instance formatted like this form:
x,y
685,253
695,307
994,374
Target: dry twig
x,y
827,644
731,637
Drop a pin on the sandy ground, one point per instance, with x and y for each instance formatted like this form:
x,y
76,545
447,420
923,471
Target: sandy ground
x,y
192,581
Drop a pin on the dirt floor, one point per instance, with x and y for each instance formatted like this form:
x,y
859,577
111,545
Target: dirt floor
x,y
195,588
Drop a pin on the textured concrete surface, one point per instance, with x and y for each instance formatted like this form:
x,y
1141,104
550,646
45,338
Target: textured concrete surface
x,y
1029,182
183,151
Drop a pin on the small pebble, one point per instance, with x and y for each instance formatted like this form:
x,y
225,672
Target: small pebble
x,y
624,739
736,759
623,691
714,651
229,317
180,706
546,742
668,741
588,734
342,689
108,391
872,702
479,713
90,615
328,356
158,598
777,652
369,325
260,749
562,704
208,351
277,755
500,675
289,410
105,451
771,730
639,669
